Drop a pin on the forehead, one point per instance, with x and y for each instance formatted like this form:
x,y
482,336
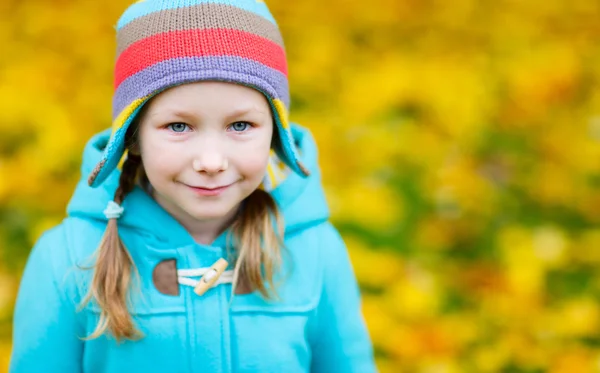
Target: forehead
x,y
209,96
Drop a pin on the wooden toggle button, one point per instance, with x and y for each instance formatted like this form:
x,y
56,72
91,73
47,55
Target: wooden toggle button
x,y
211,276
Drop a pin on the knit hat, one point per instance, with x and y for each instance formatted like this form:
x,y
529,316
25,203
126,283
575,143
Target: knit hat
x,y
164,43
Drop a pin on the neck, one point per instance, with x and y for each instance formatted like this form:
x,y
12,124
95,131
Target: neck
x,y
205,232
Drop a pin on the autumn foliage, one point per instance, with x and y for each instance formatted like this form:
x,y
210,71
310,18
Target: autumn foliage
x,y
460,148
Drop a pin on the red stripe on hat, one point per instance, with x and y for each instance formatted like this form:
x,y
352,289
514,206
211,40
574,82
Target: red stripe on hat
x,y
198,43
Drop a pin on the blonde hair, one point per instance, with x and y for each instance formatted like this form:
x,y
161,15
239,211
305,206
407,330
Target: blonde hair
x,y
257,236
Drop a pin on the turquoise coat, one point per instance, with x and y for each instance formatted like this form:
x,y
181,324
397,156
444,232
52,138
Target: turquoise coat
x,y
315,326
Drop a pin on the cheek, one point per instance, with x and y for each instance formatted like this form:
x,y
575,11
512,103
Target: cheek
x,y
253,162
256,166
253,157
158,160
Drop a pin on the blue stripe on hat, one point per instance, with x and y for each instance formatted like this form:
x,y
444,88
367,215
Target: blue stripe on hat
x,y
143,8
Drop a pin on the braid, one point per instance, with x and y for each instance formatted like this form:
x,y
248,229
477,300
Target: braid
x,y
128,177
114,267
259,232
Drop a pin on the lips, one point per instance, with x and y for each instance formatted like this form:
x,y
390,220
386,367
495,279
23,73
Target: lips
x,y
211,188
215,188
209,191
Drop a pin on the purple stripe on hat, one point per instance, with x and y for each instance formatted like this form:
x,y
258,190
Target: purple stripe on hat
x,y
188,69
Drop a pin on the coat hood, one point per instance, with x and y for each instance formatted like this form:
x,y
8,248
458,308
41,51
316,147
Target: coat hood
x,y
301,200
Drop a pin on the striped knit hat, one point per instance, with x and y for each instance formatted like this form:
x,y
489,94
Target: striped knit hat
x,y
164,43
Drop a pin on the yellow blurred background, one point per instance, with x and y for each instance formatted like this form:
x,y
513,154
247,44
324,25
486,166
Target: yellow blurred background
x,y
460,147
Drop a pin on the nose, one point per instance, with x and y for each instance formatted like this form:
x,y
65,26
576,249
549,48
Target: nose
x,y
210,162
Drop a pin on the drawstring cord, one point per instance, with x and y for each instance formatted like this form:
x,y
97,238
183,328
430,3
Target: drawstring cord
x,y
211,276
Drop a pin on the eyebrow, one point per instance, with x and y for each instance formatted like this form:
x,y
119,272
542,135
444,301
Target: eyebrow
x,y
235,113
174,113
245,110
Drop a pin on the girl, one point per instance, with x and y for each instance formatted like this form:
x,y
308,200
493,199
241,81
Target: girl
x,y
198,239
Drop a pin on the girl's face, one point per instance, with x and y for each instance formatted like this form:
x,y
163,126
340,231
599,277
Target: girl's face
x,y
205,147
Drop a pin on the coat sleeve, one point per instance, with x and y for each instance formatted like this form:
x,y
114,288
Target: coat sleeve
x,y
45,329
340,341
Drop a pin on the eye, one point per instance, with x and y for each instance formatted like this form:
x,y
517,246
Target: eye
x,y
240,126
178,127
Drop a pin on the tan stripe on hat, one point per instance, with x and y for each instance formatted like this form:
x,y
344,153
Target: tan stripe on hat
x,y
221,16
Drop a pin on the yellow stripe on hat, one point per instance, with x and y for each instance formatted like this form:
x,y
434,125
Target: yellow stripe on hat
x,y
126,113
275,175
123,158
271,174
283,113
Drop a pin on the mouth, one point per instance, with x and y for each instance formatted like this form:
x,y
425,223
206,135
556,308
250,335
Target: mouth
x,y
211,188
209,191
